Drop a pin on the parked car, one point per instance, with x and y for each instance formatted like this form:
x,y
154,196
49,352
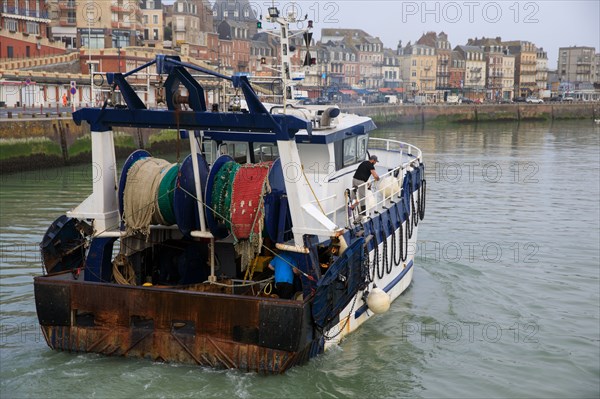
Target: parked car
x,y
555,99
519,99
466,101
534,100
506,101
477,101
568,98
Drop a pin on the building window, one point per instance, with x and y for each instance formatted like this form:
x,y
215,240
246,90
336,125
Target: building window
x,y
32,28
155,34
145,20
95,40
155,19
10,25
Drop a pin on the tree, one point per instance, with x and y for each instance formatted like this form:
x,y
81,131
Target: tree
x,y
168,33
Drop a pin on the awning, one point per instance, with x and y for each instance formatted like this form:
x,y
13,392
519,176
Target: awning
x,y
348,92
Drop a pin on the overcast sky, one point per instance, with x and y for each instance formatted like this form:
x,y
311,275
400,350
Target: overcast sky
x,y
547,23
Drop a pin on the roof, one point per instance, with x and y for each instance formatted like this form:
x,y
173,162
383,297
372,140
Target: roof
x,y
475,49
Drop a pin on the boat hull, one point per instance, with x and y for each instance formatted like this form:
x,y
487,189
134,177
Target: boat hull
x,y
201,328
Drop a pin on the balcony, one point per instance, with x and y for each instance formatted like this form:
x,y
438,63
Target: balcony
x,y
22,12
69,5
67,22
121,24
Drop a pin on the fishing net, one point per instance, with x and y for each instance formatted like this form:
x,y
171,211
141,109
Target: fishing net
x,y
140,205
221,193
250,184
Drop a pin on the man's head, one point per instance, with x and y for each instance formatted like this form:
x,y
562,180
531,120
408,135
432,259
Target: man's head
x,y
373,159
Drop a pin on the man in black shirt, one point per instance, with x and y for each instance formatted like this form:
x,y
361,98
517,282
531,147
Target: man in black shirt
x,y
365,170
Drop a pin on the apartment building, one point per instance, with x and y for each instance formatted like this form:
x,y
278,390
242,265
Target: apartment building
x,y
457,71
541,71
475,71
577,64
391,69
152,18
499,67
25,26
443,49
368,50
525,66
419,66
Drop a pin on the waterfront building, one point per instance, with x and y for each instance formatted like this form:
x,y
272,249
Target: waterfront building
x,y
500,67
369,53
25,26
152,18
419,65
475,71
103,24
541,76
391,69
577,64
443,50
237,33
63,24
235,10
456,71
525,66
190,21
597,68
263,55
508,75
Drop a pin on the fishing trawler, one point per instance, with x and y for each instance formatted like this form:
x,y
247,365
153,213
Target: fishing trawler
x,y
169,261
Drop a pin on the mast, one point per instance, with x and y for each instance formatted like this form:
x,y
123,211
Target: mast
x,y
284,46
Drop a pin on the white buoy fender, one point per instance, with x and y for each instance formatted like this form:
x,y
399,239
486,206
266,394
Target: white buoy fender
x,y
378,301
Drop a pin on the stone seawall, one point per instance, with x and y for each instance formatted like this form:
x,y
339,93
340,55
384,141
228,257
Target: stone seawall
x,y
30,144
443,114
33,144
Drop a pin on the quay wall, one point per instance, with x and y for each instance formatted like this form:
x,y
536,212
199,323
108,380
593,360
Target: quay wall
x,y
29,142
444,114
39,143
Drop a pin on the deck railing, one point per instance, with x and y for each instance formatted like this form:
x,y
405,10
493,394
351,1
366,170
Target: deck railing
x,y
383,194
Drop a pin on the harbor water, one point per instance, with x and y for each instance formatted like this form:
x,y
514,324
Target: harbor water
x,y
504,303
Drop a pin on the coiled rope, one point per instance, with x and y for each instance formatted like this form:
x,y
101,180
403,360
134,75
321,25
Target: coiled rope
x,y
140,197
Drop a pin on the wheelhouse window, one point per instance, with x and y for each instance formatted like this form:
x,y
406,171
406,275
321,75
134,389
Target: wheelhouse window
x,y
361,150
265,152
350,151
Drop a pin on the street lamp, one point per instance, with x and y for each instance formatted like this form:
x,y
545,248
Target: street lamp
x,y
218,64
